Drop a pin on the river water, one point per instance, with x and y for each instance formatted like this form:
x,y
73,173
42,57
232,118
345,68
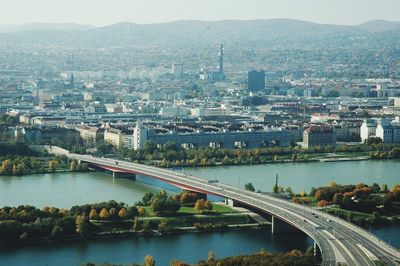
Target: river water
x,y
190,247
68,189
303,176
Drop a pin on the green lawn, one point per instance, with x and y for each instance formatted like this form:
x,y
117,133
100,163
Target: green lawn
x,y
344,213
217,209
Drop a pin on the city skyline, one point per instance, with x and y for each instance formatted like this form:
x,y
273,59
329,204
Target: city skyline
x,y
100,13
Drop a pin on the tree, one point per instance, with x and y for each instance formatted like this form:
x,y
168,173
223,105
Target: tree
x,y
249,186
104,214
113,213
289,191
375,188
199,205
208,206
142,211
6,168
82,225
384,188
313,191
93,214
122,213
149,261
338,199
147,198
332,184
56,232
322,203
52,166
132,211
163,204
149,146
211,256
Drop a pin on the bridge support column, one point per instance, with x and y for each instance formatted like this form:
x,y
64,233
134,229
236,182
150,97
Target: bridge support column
x,y
315,249
229,202
124,175
278,226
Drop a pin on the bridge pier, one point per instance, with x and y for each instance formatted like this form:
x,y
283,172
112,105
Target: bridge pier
x,y
229,202
124,175
315,249
280,227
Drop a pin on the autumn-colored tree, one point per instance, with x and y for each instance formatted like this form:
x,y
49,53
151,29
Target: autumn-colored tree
x,y
82,225
199,205
93,215
6,167
178,263
149,261
208,206
52,166
322,203
142,211
122,213
104,214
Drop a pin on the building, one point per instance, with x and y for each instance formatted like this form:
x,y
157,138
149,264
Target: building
x,y
256,80
319,135
90,134
388,131
114,108
119,137
177,69
396,102
368,129
209,135
218,75
96,108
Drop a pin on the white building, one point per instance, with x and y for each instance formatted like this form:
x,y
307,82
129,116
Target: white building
x,y
368,129
388,131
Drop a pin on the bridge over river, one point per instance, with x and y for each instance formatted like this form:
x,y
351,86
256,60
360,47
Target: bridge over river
x,y
339,242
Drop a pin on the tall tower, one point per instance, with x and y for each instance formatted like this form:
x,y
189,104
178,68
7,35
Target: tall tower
x,y
72,81
221,59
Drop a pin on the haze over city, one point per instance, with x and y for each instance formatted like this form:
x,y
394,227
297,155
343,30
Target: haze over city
x,y
105,12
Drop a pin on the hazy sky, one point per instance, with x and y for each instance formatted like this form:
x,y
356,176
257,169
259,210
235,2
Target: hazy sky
x,y
103,12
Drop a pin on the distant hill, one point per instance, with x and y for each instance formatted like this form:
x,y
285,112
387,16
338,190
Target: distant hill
x,y
380,25
272,33
44,27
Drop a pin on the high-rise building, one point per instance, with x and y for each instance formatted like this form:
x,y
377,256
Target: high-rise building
x,y
177,69
221,60
256,80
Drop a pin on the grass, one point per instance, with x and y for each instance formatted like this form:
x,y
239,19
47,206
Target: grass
x,y
345,213
217,209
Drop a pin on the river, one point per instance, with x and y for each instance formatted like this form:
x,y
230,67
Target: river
x,y
303,176
190,247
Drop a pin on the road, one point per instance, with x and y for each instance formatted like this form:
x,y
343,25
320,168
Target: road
x,y
339,241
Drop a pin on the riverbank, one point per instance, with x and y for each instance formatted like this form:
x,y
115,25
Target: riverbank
x,y
124,234
26,225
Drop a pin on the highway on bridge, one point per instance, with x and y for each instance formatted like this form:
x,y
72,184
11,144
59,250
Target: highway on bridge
x,y
339,241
